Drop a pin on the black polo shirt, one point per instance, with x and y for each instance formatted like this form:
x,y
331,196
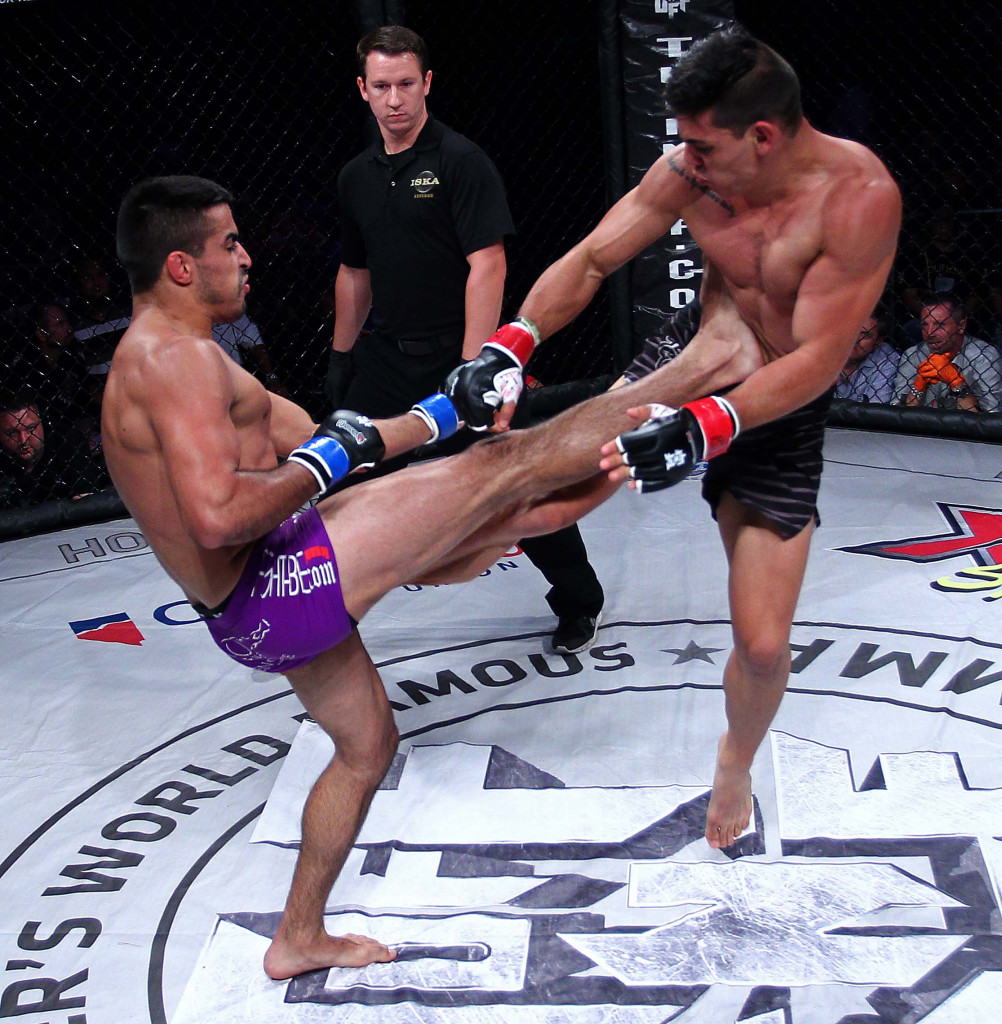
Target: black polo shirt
x,y
412,218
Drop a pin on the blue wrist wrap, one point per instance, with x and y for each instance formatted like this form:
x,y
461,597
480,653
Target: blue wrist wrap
x,y
438,412
325,458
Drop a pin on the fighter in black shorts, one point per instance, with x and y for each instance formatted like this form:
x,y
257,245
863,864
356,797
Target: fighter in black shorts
x,y
776,467
797,231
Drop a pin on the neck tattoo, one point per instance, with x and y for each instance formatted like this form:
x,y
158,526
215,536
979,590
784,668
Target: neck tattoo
x,y
705,189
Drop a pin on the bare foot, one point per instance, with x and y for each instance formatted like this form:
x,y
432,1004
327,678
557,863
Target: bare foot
x,y
731,805
286,959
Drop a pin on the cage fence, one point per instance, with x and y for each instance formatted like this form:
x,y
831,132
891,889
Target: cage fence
x,y
96,96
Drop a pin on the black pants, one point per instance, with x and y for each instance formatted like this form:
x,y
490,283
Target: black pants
x,y
388,382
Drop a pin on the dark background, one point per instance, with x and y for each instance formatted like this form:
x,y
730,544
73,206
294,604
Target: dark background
x,y
262,98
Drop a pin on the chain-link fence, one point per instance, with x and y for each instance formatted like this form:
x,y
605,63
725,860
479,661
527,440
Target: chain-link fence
x,y
263,99
917,83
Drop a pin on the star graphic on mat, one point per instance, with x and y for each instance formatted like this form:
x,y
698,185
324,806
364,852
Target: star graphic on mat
x,y
974,531
692,652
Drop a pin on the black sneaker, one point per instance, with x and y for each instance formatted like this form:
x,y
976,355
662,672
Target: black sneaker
x,y
575,633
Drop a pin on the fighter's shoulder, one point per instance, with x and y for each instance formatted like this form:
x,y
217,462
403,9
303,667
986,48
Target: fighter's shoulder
x,y
169,355
858,174
863,200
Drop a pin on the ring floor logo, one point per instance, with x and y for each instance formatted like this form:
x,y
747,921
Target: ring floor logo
x,y
536,851
975,532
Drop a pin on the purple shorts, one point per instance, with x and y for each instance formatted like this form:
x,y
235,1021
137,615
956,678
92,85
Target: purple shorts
x,y
287,607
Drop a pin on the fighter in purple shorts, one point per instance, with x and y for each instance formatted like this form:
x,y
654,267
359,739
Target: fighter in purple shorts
x,y
215,469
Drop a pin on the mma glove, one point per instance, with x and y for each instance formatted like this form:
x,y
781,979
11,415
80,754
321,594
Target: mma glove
x,y
481,386
666,447
344,442
339,374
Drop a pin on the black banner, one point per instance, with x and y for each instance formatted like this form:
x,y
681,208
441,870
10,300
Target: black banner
x,y
654,34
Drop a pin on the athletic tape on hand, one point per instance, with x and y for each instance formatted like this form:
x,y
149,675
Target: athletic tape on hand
x,y
508,386
660,412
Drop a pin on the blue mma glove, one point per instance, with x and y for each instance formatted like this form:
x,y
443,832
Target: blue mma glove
x,y
343,442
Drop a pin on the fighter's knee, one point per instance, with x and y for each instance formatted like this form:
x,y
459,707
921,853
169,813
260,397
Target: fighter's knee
x,y
370,759
486,464
763,653
391,741
544,519
384,750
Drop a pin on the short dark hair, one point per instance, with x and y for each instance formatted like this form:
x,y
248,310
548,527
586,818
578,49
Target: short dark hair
x,y
882,320
392,40
949,299
40,309
159,216
739,79
14,401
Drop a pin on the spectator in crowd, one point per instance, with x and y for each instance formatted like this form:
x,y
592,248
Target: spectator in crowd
x,y
870,370
47,366
423,217
99,321
241,340
949,369
939,260
36,466
994,318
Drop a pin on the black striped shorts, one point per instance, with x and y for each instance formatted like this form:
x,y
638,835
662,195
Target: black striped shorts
x,y
775,468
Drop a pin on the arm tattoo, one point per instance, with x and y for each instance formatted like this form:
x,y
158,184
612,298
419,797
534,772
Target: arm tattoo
x,y
705,189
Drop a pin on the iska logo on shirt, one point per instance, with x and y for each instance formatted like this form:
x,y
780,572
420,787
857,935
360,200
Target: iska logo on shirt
x,y
424,183
110,629
300,572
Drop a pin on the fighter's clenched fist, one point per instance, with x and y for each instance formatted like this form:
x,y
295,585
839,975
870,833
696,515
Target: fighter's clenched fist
x,y
492,381
664,449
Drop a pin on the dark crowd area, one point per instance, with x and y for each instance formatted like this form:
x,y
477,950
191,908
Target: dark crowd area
x,y
263,99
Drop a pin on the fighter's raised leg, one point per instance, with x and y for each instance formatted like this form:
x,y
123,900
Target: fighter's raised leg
x,y
486,545
449,500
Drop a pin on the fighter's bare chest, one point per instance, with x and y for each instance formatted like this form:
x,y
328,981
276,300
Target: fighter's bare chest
x,y
250,414
763,250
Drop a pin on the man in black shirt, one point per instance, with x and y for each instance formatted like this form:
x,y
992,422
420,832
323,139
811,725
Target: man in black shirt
x,y
423,220
47,366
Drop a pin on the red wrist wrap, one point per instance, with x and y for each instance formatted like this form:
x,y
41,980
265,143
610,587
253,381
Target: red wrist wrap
x,y
716,423
518,340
